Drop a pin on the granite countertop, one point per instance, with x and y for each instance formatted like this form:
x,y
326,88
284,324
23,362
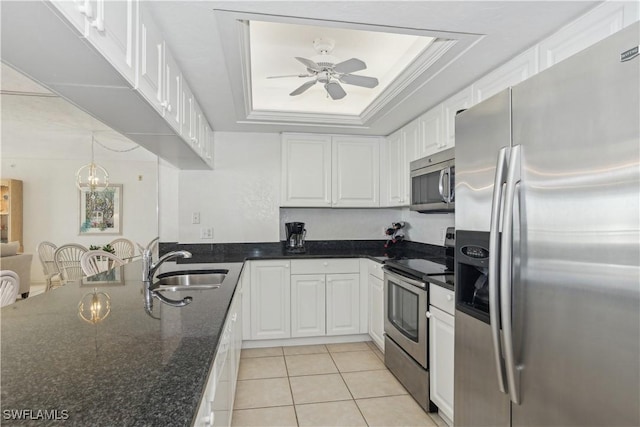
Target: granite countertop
x,y
129,369
132,368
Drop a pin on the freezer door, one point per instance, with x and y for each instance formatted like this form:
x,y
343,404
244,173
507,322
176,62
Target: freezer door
x,y
576,299
477,400
480,133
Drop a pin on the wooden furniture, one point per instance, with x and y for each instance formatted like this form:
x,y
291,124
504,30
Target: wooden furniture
x,y
11,211
94,262
67,258
9,284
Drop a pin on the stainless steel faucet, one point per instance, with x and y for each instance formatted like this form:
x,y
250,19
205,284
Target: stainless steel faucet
x,y
149,269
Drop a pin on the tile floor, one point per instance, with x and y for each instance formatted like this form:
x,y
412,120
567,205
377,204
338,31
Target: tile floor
x,y
322,385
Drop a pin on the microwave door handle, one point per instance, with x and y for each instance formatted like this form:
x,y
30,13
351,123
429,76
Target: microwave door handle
x,y
441,184
506,264
449,189
494,261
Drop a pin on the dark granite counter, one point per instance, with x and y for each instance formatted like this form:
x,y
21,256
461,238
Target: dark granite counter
x,y
129,369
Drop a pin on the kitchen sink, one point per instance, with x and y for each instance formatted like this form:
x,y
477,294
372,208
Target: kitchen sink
x,y
194,280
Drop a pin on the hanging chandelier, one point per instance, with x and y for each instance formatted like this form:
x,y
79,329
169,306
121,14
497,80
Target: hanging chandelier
x,y
92,175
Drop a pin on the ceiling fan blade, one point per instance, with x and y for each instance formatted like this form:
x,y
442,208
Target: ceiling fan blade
x,y
290,75
309,64
335,90
363,81
303,88
350,66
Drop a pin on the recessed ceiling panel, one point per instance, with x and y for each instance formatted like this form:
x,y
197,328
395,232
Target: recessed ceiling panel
x,y
275,46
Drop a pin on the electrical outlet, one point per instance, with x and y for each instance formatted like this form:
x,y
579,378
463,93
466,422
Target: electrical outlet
x,y
206,233
443,235
195,218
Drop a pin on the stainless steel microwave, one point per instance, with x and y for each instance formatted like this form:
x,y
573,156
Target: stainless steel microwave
x,y
433,183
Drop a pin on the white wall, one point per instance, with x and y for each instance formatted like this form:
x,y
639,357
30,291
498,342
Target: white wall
x,y
240,198
341,224
51,203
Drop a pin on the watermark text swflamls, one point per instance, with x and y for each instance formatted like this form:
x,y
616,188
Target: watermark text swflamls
x,y
35,414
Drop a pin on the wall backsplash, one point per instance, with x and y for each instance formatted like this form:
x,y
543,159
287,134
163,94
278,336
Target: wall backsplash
x,y
341,224
427,228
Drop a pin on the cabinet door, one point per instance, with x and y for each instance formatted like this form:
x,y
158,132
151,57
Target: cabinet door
x,y
306,170
343,304
186,114
441,352
151,62
172,92
431,131
376,310
308,305
397,170
78,13
113,32
355,172
459,101
270,300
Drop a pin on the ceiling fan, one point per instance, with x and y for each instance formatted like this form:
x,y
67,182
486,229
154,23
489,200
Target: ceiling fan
x,y
326,69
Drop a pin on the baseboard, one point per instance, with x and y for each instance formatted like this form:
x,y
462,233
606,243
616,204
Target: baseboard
x,y
306,341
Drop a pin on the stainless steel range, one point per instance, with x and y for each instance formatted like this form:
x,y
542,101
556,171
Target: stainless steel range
x,y
406,327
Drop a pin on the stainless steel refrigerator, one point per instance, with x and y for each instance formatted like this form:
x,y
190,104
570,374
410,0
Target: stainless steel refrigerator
x,y
547,246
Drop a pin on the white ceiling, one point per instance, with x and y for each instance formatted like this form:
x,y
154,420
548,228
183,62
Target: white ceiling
x,y
210,55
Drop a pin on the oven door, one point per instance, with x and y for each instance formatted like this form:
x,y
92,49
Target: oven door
x,y
405,321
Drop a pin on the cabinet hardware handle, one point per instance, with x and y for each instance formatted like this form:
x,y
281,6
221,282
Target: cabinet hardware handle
x,y
428,314
85,9
98,24
325,264
449,297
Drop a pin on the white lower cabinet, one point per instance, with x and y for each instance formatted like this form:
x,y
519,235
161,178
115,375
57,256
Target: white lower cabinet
x,y
441,350
376,310
270,299
343,304
216,404
308,301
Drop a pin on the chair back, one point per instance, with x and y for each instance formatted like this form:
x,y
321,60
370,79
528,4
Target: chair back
x,y
152,245
67,258
45,253
94,262
124,248
9,286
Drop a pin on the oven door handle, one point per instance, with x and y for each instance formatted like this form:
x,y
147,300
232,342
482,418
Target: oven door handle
x,y
404,279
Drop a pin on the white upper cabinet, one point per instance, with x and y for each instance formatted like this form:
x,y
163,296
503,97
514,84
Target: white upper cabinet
x,y
431,131
460,101
355,171
186,113
172,92
306,170
77,12
395,171
112,30
151,67
412,141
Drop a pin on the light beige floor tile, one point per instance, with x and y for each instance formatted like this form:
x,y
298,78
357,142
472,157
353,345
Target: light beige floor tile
x,y
263,393
373,384
260,352
394,411
357,361
310,364
262,367
330,414
319,388
276,416
348,346
304,349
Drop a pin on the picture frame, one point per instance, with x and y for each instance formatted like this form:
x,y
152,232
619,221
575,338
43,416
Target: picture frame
x,y
100,211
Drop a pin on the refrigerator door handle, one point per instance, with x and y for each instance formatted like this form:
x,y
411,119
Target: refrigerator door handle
x,y
494,262
506,249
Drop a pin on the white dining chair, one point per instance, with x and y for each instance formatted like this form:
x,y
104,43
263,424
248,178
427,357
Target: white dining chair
x,y
94,262
49,267
125,248
67,258
9,286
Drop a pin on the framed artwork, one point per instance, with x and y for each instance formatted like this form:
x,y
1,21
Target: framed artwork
x,y
101,211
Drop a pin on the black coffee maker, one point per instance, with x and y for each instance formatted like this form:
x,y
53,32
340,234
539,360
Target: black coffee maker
x,y
295,237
